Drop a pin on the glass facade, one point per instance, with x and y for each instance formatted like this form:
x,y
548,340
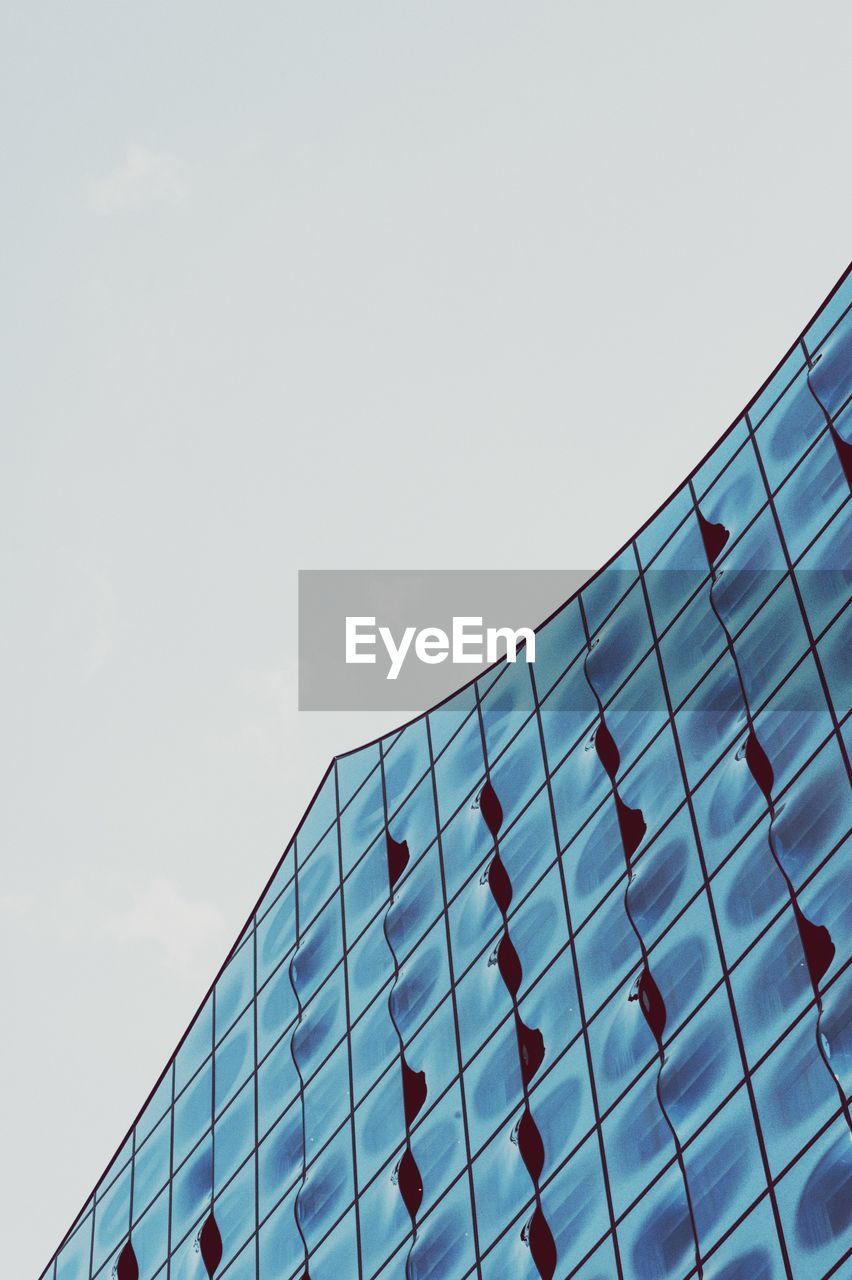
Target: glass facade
x,y
555,981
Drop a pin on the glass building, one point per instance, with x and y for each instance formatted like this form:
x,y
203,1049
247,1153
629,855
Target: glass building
x,y
555,981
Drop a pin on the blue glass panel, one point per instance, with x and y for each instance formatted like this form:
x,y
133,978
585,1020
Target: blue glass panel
x,y
551,1008
434,1050
637,712
493,1084
193,1113
319,816
767,1009
500,1180
444,1245
192,1191
567,713
810,821
511,1255
691,647
825,901
771,644
678,572
326,1101
519,772
702,1067
637,1141
235,1210
197,1046
789,427
282,876
831,369
422,983
280,1158
155,1108
752,1250
73,1259
794,723
370,967
321,1026
724,1170
235,987
830,315
594,861
459,768
366,890
748,891
835,1026
533,829
234,1059
234,1134
276,934
318,950
417,903
833,651
151,1166
353,769
318,878
727,804
466,842
280,1247
446,720
710,719
438,1146
656,1239
666,876
815,1199
663,526
244,1266
619,645
374,1044
415,822
603,592
405,763
277,1082
362,822
685,963
824,574
380,1123
151,1235
720,458
337,1252
277,1009
736,496
506,706
748,573
811,495
777,385
607,949
382,1207
557,645
795,1093
327,1189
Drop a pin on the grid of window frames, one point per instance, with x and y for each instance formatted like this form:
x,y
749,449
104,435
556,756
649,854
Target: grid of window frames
x,y
555,981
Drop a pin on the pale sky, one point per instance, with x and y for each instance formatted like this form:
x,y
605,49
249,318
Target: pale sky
x,y
457,283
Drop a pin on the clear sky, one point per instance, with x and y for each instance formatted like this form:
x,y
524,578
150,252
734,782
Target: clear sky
x,y
457,283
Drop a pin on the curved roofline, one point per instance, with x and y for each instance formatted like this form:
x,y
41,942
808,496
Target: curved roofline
x,y
625,545
419,716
